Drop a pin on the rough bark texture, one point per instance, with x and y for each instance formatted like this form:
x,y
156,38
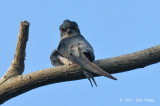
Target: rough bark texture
x,y
17,65
22,83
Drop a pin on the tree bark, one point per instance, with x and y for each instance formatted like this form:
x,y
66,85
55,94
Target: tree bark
x,y
18,84
17,65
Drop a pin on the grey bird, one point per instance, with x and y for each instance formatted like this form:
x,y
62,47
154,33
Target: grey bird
x,y
73,48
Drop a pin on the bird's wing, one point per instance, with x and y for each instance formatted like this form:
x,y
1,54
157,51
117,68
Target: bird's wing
x,y
79,58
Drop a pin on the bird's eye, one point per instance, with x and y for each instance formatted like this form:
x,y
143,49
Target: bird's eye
x,y
63,30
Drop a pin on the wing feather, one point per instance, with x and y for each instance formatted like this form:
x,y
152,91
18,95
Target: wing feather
x,y
79,58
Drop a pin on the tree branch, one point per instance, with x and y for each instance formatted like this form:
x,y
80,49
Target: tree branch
x,y
17,65
19,84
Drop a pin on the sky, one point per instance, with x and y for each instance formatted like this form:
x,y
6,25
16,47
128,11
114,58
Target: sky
x,y
113,28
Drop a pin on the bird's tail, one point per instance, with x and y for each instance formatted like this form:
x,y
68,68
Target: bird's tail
x,y
89,77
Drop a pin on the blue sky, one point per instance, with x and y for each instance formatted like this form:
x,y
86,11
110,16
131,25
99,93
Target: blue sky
x,y
113,28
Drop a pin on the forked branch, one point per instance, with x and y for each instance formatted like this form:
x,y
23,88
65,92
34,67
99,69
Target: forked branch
x,y
19,84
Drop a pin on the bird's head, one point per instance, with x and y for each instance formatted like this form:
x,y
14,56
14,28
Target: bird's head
x,y
69,29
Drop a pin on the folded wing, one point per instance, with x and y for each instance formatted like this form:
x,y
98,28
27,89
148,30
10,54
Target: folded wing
x,y
79,58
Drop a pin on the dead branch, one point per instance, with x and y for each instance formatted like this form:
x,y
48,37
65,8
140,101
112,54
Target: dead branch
x,y
17,65
19,84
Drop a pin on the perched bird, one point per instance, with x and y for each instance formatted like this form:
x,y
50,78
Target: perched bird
x,y
73,48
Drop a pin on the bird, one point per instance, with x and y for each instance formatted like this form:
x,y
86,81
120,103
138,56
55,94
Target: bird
x,y
73,48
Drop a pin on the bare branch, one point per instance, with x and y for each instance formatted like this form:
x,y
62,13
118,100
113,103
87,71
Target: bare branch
x,y
20,84
13,86
17,65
